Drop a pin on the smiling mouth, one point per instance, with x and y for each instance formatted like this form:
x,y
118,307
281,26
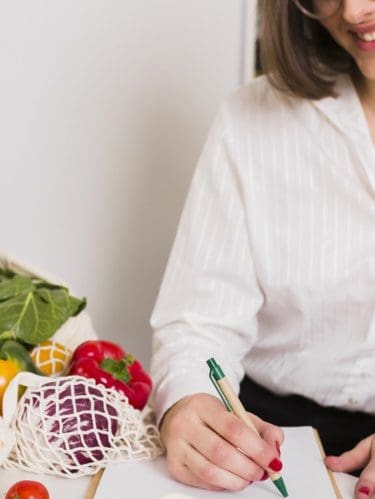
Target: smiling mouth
x,y
365,37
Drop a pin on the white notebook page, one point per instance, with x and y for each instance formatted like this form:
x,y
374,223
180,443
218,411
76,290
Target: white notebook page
x,y
304,474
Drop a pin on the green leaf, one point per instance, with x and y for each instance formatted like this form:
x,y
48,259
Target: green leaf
x,y
17,315
39,283
35,314
117,368
15,286
6,273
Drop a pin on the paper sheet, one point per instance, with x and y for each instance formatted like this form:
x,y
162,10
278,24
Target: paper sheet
x,y
304,474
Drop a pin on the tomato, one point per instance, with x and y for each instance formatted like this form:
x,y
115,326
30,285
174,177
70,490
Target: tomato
x,y
27,489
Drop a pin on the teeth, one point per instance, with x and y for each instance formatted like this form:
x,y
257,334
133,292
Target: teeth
x,y
367,37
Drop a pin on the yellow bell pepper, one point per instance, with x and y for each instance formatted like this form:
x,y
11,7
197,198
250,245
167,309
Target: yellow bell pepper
x,y
8,370
14,358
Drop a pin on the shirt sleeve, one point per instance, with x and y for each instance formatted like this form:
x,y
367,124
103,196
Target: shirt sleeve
x,y
209,296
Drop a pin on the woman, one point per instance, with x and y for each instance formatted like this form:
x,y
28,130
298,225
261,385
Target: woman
x,y
273,267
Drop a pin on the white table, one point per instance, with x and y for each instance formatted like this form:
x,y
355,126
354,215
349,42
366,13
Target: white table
x,y
76,488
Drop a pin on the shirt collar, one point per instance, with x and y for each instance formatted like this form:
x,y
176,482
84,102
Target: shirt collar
x,y
345,112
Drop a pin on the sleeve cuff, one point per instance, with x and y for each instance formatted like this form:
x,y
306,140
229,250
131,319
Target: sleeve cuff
x,y
174,388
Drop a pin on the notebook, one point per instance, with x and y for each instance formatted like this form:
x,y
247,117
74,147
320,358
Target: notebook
x,y
304,474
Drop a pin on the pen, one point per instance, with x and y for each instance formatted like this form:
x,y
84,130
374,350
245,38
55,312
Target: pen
x,y
233,404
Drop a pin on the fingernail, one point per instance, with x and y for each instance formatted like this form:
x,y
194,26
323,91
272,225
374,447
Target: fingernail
x,y
364,490
275,464
265,476
277,445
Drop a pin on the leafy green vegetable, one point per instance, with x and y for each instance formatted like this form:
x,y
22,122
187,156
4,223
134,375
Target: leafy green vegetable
x,y
6,273
15,286
32,310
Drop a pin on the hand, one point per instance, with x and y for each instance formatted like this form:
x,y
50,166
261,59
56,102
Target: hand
x,y
211,448
362,456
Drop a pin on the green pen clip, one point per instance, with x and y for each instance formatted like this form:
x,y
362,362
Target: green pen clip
x,y
216,373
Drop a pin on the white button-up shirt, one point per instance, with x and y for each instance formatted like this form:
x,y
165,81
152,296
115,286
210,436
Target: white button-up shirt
x,y
273,268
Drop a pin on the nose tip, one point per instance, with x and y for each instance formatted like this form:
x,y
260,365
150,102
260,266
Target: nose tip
x,y
358,11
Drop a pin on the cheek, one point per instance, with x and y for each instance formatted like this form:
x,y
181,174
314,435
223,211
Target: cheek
x,y
341,38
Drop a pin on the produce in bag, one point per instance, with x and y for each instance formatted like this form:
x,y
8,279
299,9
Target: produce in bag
x,y
108,364
51,357
14,358
69,426
31,309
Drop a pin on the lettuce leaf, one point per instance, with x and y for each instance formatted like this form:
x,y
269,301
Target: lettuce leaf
x,y
32,310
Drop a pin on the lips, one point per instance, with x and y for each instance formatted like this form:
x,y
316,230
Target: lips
x,y
364,37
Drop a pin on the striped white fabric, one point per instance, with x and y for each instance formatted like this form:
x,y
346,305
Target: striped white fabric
x,y
273,268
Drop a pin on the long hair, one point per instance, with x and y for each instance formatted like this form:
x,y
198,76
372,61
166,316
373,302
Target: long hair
x,y
298,55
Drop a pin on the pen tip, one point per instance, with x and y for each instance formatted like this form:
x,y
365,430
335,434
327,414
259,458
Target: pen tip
x,y
281,486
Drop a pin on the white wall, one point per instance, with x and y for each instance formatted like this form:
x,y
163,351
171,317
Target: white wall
x,y
104,107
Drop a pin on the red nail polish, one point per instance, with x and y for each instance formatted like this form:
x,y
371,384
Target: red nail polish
x,y
275,464
364,490
265,476
277,445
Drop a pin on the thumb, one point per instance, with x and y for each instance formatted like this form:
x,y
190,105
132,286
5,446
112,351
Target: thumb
x,y
356,458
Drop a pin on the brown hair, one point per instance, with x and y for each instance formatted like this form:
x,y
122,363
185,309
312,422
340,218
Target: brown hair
x,y
298,55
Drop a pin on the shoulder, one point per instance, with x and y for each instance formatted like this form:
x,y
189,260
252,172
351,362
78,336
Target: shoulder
x,y
258,94
257,88
258,103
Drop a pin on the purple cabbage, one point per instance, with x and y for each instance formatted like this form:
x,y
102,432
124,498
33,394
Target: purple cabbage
x,y
77,419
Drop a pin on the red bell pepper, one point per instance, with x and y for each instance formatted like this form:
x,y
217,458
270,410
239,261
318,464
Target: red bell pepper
x,y
109,365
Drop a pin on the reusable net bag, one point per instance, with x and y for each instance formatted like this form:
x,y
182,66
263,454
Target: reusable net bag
x,y
69,426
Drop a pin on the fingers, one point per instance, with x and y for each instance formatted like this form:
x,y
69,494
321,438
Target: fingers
x,y
361,456
221,453
189,465
209,447
263,449
216,476
182,473
353,459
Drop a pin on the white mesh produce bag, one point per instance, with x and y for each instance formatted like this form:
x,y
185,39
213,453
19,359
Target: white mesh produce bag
x,y
69,426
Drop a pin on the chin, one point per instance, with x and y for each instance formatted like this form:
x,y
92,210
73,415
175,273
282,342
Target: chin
x,y
367,71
